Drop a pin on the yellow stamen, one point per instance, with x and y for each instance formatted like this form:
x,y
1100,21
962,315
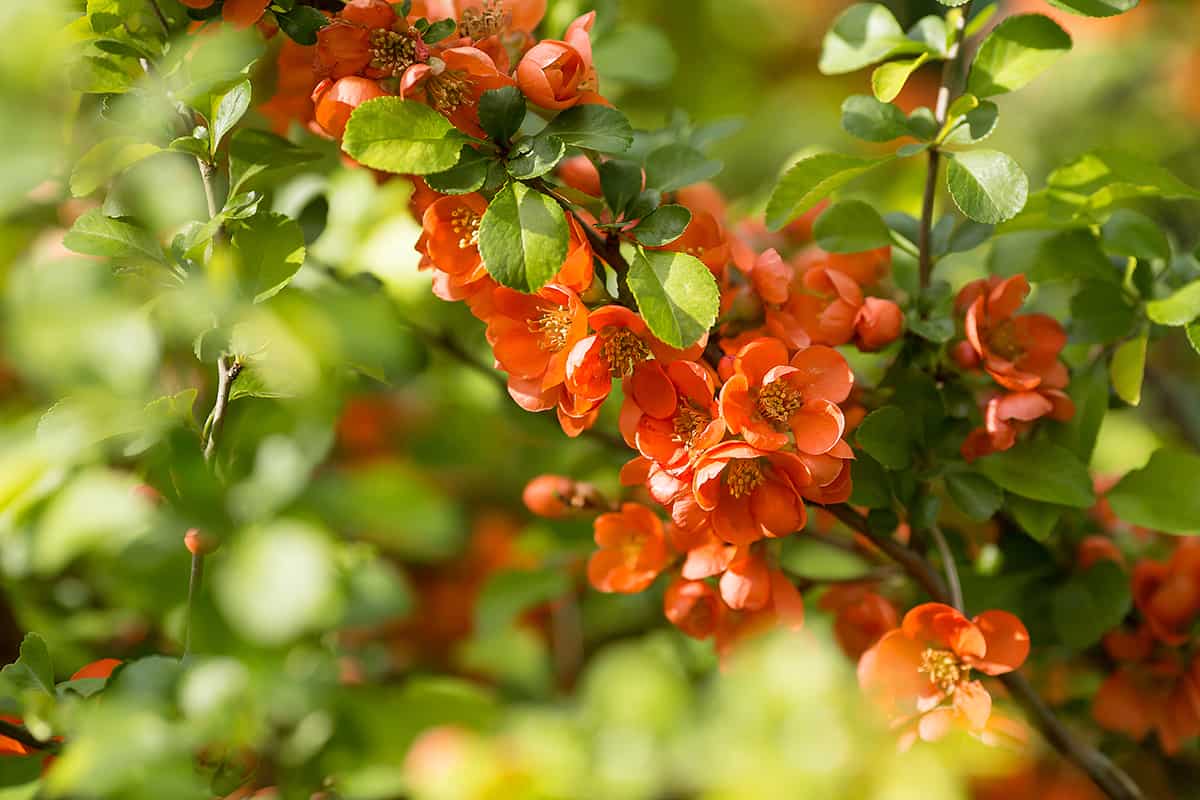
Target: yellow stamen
x,y
488,20
554,325
1002,340
944,668
391,51
622,350
690,422
465,223
778,400
446,89
743,476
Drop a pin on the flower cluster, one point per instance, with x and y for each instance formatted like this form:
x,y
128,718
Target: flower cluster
x,y
1021,354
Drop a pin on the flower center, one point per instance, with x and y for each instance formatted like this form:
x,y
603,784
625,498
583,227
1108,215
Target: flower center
x,y
465,223
689,423
488,20
1002,340
447,89
622,350
743,476
554,326
778,400
391,51
944,669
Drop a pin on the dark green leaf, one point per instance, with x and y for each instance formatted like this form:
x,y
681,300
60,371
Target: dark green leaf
x,y
677,165
532,158
501,112
1101,313
869,480
1015,52
873,120
987,185
301,24
270,251
621,183
976,125
1133,235
810,181
1035,518
592,127
959,236
1073,255
938,330
1089,392
1162,495
439,31
523,238
644,204
468,175
851,227
404,137
676,295
974,494
1091,604
885,434
663,225
1041,471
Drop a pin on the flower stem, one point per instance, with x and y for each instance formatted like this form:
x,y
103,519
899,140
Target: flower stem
x,y
953,585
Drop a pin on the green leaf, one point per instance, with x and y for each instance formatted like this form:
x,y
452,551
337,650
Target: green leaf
x,y
959,236
301,24
1128,368
976,125
403,137
1193,336
1073,255
1162,495
523,238
863,34
938,330
621,183
468,175
509,593
32,669
1095,8
644,204
1091,604
1016,51
1180,308
869,481
190,145
1041,471
1089,390
532,158
1094,182
1100,313
636,54
501,112
885,434
94,234
676,295
270,251
887,81
1133,235
227,108
592,127
678,165
107,159
254,152
974,494
1035,518
810,181
851,227
987,185
663,225
439,31
872,120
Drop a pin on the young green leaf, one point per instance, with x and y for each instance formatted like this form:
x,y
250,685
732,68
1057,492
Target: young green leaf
x,y
523,238
1095,8
663,225
1180,308
864,34
677,165
501,112
887,81
1041,471
987,185
107,159
592,127
873,120
1132,235
1096,181
270,251
1162,495
32,669
1128,369
676,295
810,181
227,108
851,227
1017,51
94,234
975,126
403,137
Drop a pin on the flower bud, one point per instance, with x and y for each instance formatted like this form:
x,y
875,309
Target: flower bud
x,y
878,323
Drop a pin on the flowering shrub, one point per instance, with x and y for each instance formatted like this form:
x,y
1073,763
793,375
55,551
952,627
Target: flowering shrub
x,y
745,430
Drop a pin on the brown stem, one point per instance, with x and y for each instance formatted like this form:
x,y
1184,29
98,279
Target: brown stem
x,y
953,584
1108,776
228,368
949,77
195,578
21,734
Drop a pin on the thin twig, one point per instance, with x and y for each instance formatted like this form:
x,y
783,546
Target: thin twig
x,y
228,368
21,734
948,566
1108,776
949,77
162,19
195,579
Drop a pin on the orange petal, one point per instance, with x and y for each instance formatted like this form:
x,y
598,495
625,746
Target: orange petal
x,y
1007,642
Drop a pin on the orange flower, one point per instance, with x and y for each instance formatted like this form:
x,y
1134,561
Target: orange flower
x,y
705,239
531,337
861,617
825,303
576,272
1168,594
767,396
10,746
1162,696
452,82
240,13
366,38
335,101
97,669
1007,415
878,323
294,80
1019,351
693,607
489,17
671,412
558,74
580,174
915,669
633,550
771,277
749,493
450,233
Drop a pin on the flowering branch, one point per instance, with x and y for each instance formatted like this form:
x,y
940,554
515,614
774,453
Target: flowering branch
x,y
1108,776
